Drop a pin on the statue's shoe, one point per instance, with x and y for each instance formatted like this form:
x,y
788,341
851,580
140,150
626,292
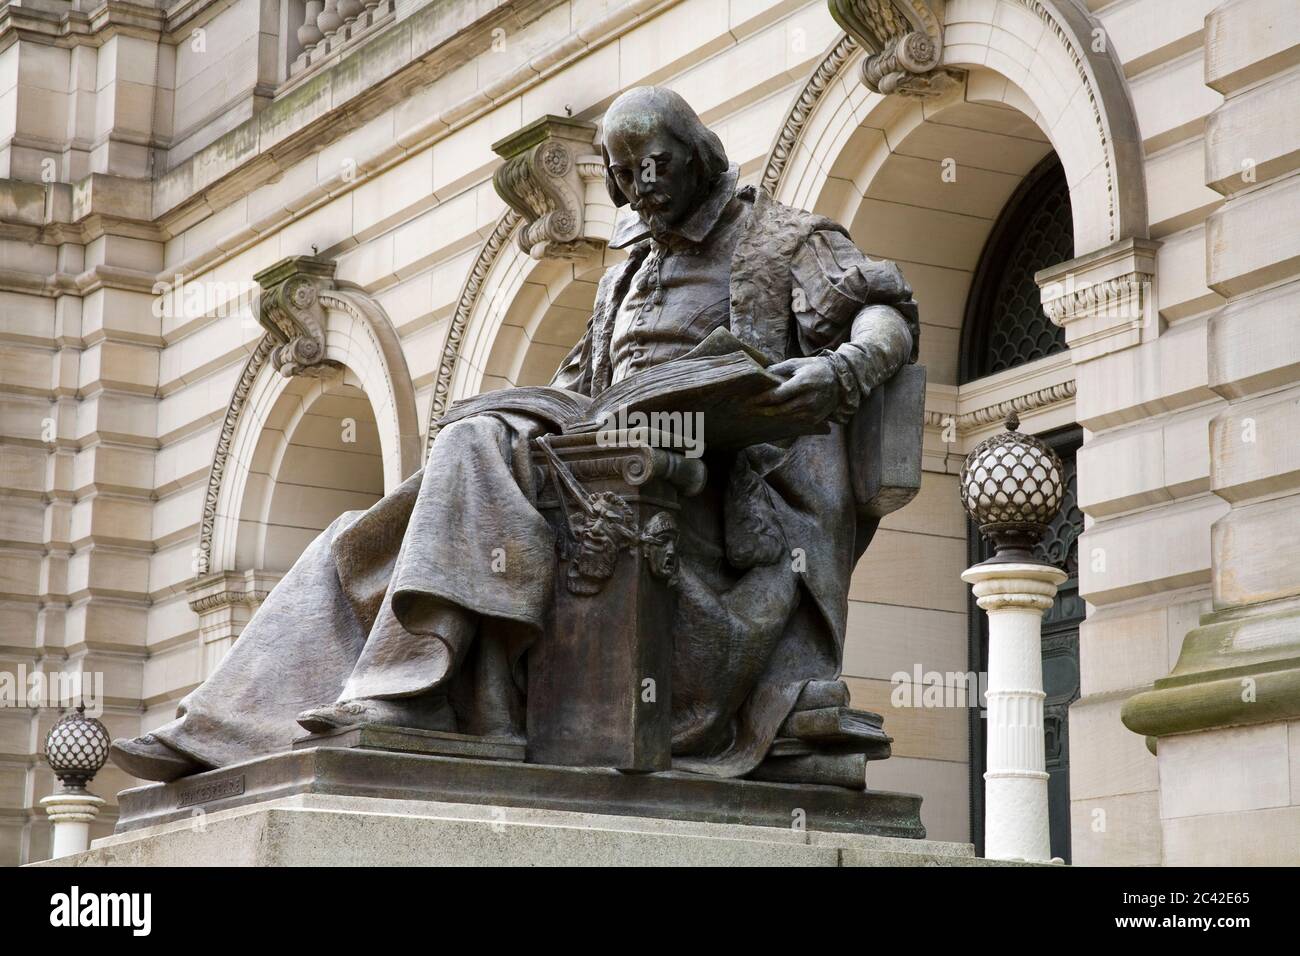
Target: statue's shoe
x,y
149,758
411,712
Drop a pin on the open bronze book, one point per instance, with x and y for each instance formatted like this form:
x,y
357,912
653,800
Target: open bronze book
x,y
712,384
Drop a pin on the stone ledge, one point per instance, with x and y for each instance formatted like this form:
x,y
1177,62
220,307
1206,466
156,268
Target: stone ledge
x,y
325,830
507,783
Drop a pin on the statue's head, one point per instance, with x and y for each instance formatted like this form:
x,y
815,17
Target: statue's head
x,y
659,156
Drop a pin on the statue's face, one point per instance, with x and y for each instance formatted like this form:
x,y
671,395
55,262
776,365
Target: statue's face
x,y
660,545
655,171
663,557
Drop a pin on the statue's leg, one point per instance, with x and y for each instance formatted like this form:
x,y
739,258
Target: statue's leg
x,y
486,697
296,651
472,578
723,642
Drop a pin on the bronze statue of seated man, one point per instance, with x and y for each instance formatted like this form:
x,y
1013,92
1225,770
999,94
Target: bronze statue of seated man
x,y
420,612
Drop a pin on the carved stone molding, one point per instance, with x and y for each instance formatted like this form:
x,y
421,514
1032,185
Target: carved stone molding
x,y
289,308
225,602
814,89
1035,401
469,293
217,472
1104,299
906,40
548,167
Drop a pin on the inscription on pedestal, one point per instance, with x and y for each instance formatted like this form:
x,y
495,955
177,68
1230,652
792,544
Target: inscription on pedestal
x,y
207,792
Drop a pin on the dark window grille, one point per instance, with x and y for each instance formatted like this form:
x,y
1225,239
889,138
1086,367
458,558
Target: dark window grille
x,y
1004,324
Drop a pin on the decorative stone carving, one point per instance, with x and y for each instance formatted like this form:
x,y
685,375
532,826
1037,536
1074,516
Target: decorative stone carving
x,y
465,302
225,602
290,309
1102,299
547,166
1035,401
907,39
814,89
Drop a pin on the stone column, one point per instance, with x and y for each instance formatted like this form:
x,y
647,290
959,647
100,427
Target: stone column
x,y
1015,595
1012,486
71,813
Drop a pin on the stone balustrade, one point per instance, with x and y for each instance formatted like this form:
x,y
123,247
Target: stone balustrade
x,y
330,25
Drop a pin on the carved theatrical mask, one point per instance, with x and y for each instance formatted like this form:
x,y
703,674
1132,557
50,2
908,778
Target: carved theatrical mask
x,y
600,534
659,545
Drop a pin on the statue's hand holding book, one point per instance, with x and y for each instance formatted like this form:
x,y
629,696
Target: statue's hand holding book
x,y
728,385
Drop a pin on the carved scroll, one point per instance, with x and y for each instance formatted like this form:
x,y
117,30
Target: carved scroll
x,y
906,37
544,179
290,309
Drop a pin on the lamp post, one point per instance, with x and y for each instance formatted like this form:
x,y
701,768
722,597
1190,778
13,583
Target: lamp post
x,y
76,748
1012,486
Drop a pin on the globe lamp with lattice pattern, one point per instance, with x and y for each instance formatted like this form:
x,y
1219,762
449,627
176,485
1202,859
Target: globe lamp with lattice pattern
x,y
76,748
1012,486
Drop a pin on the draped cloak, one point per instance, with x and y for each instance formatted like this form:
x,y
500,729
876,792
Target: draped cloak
x,y
751,630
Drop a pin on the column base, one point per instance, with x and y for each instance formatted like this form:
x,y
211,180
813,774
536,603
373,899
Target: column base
x,y
1239,666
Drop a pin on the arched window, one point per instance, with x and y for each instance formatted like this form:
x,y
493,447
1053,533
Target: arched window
x,y
1004,324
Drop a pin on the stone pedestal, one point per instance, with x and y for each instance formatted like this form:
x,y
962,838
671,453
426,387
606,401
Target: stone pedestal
x,y
352,768
1015,596
598,679
334,830
71,813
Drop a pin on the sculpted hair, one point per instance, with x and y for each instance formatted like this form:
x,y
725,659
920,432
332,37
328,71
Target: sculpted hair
x,y
667,110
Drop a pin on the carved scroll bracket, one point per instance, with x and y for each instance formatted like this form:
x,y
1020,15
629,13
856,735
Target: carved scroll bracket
x,y
290,308
550,176
906,37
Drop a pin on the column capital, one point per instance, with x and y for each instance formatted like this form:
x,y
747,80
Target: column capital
x,y
1104,299
1001,586
72,806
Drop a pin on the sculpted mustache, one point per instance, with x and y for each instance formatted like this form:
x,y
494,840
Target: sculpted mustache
x,y
651,203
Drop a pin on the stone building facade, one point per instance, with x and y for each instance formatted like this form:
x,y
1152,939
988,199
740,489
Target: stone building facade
x,y
1096,203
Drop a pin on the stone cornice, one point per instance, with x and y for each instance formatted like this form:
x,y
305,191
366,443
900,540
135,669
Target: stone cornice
x,y
75,28
268,160
1037,400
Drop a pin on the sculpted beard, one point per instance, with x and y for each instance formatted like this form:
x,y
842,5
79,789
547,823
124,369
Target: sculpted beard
x,y
651,210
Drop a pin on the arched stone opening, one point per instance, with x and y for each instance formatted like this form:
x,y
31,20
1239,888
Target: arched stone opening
x,y
931,185
317,457
303,450
527,317
924,183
